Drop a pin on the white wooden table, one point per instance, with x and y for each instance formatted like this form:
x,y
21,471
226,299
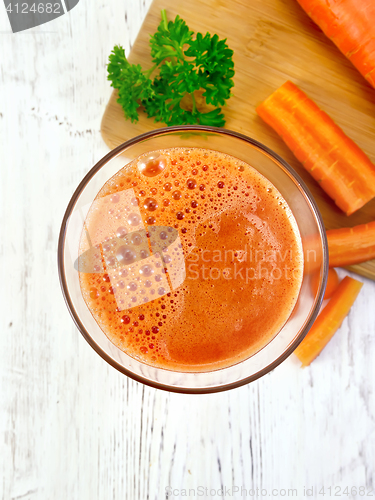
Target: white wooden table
x,y
74,428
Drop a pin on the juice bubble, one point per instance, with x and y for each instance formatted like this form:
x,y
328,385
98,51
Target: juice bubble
x,y
94,294
136,239
134,219
121,232
152,165
146,270
111,261
150,220
191,183
126,255
150,204
115,198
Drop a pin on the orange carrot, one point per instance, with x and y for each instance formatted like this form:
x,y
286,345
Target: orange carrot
x,y
343,170
351,245
333,281
350,24
328,321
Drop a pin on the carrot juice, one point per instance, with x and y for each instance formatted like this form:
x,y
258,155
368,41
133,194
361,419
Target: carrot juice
x,y
190,260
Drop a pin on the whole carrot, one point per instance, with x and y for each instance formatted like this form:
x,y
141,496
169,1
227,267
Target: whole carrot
x,y
342,169
329,320
350,24
351,245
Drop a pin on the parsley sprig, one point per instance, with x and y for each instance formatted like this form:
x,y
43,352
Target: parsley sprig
x,y
186,68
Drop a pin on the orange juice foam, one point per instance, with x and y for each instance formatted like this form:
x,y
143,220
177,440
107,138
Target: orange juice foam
x,y
191,260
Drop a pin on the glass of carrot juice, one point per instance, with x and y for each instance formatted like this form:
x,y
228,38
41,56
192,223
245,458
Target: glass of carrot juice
x,y
186,259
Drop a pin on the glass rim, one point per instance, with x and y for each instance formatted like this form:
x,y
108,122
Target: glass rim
x,y
116,152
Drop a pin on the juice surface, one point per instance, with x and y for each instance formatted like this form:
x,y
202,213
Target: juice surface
x,y
190,260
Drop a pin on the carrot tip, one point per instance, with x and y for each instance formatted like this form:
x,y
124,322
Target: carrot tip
x,y
329,320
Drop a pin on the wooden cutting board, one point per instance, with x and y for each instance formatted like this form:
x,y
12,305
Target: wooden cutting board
x,y
273,41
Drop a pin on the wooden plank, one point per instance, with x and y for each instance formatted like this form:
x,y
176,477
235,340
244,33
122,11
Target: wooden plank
x,y
273,41
71,426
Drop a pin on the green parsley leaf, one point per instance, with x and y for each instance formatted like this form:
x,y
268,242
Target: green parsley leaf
x,y
133,85
186,67
170,39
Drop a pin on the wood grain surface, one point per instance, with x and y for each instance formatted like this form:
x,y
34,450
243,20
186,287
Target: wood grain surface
x,y
273,41
72,427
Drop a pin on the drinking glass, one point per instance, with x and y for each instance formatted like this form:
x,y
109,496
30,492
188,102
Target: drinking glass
x,y
310,226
